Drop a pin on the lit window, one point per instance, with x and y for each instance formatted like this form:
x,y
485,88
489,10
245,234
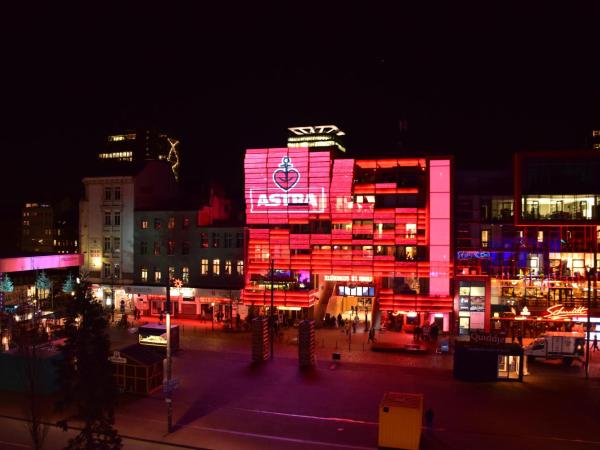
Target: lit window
x,y
185,275
216,266
240,267
227,267
144,274
144,224
204,267
117,244
107,193
171,272
485,238
540,236
106,270
411,230
157,275
117,220
171,223
117,271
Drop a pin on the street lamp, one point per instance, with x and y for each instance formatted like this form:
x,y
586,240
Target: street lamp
x,y
591,271
213,316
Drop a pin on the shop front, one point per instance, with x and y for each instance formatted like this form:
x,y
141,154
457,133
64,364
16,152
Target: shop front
x,y
472,304
487,358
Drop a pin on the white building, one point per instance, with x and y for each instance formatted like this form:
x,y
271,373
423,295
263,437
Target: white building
x,y
106,222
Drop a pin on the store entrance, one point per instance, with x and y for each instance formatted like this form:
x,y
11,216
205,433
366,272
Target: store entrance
x,y
464,326
508,367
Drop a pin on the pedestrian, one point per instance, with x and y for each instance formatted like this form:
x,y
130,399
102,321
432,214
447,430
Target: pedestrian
x,y
371,335
429,419
134,313
520,339
355,324
339,320
595,343
160,318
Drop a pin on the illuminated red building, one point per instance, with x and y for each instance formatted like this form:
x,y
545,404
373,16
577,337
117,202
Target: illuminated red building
x,y
349,235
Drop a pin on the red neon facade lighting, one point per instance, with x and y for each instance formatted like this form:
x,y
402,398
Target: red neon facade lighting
x,y
26,263
288,191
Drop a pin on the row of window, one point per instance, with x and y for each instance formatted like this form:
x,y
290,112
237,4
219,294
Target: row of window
x,y
112,193
224,240
227,266
112,218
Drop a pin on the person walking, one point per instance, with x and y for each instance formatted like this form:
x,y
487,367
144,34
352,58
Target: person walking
x,y
429,419
595,344
339,320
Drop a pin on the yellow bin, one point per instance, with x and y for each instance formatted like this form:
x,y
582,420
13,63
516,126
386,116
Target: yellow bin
x,y
400,420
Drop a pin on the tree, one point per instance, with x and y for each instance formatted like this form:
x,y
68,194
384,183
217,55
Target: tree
x,y
69,285
28,337
88,389
6,285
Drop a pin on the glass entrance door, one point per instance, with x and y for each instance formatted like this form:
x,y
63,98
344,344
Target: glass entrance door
x,y
464,324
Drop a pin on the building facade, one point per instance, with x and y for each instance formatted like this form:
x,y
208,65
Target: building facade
x,y
529,250
47,228
107,222
342,236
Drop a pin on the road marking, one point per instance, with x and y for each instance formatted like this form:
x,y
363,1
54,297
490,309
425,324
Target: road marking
x,y
14,444
302,416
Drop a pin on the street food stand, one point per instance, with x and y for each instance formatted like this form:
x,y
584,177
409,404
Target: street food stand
x,y
137,369
487,358
155,335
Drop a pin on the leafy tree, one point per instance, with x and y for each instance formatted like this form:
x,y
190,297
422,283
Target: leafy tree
x,y
88,390
6,285
69,285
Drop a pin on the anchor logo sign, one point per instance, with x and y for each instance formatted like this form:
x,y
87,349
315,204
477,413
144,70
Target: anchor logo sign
x,y
286,177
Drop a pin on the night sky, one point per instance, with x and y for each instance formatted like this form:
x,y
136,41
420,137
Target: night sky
x,y
477,83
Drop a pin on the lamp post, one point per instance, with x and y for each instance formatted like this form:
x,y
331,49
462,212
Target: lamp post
x,y
590,272
271,312
167,362
212,316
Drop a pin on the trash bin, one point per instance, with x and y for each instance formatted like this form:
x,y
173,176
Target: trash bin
x,y
400,420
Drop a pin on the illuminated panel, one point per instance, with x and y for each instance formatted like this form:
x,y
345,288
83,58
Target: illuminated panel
x,y
40,262
439,227
286,183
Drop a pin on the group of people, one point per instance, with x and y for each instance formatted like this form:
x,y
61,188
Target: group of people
x,y
427,332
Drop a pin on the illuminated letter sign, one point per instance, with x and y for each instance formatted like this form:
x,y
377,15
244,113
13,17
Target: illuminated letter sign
x,y
363,278
286,181
472,254
559,312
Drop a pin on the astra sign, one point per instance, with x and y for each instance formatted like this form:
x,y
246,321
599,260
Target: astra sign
x,y
282,181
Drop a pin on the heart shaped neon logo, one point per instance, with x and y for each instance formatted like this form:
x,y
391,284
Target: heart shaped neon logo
x,y
286,177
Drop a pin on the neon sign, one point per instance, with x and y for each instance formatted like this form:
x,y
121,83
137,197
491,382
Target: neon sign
x,y
560,312
363,278
472,254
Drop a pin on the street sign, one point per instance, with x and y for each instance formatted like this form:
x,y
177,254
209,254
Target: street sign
x,y
117,358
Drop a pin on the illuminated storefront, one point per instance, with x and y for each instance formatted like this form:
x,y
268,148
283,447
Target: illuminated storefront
x,y
348,235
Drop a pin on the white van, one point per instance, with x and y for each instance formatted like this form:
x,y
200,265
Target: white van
x,y
557,344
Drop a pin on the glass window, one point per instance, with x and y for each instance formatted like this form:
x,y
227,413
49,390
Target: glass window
x,y
143,248
171,273
185,223
117,218
117,244
216,266
216,240
117,271
204,240
239,240
185,275
227,267
107,193
411,230
106,245
185,248
157,275
144,274
485,235
240,267
171,223
170,247
227,240
540,236
157,224
204,267
156,248
107,218
117,193
106,270
144,224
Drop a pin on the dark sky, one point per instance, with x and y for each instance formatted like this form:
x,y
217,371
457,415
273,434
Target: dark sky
x,y
477,83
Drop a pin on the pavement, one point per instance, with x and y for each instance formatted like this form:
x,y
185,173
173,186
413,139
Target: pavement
x,y
226,402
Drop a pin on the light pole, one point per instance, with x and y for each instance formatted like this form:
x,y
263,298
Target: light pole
x,y
167,362
212,316
271,312
590,272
